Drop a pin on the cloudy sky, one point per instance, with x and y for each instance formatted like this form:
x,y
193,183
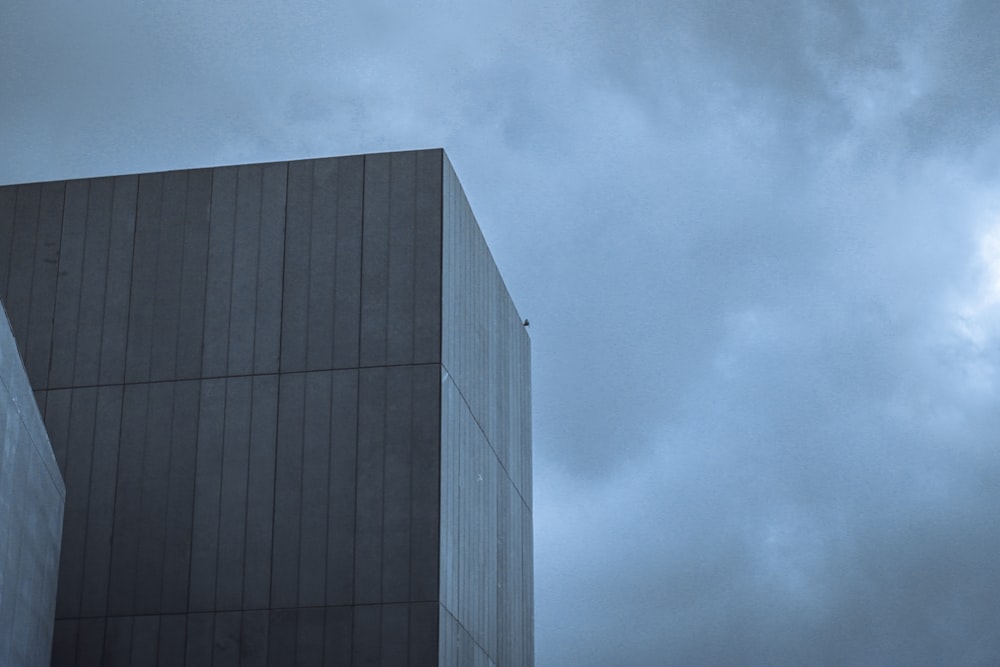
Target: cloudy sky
x,y
758,242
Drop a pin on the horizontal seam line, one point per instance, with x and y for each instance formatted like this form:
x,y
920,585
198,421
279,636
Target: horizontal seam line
x,y
236,375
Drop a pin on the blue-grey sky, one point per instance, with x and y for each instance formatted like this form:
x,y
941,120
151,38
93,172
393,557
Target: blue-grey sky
x,y
758,242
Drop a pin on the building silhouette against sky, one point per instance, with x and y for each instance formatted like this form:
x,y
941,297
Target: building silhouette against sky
x,y
291,404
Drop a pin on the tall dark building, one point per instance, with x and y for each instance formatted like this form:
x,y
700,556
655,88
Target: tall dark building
x,y
291,403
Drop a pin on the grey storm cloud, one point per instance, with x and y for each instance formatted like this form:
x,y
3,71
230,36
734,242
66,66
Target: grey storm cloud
x,y
759,245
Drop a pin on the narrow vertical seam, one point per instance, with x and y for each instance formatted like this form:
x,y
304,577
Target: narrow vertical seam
x,y
218,502
201,381
31,281
121,414
357,393
385,393
256,287
176,380
277,397
107,276
308,262
232,269
332,402
55,286
253,385
226,386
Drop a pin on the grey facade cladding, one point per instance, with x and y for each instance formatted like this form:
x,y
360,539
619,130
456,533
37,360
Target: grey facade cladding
x,y
32,496
264,422
486,545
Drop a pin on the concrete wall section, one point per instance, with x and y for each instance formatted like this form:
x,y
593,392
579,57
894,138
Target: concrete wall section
x,y
486,540
32,496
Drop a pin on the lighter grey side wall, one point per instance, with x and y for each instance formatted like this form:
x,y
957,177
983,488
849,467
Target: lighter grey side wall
x,y
486,540
32,496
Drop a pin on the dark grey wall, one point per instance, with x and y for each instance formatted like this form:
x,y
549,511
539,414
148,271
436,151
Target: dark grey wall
x,y
32,495
240,369
486,546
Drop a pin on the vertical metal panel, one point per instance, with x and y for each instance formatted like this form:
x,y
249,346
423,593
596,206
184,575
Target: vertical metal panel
x,y
395,635
246,238
425,483
449,543
208,479
220,268
288,491
367,639
172,640
396,477
101,502
194,273
180,502
167,289
260,493
143,283
77,478
281,639
118,642
254,639
423,633
128,517
375,260
43,285
145,632
315,484
94,281
267,337
321,261
401,264
90,641
337,636
427,258
309,637
295,286
200,639
64,321
22,252
63,644
117,298
341,476
233,498
157,449
370,471
8,204
226,644
347,285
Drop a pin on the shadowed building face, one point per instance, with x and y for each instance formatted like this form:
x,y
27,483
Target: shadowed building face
x,y
291,402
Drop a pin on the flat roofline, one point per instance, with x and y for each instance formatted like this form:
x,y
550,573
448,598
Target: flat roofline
x,y
218,166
